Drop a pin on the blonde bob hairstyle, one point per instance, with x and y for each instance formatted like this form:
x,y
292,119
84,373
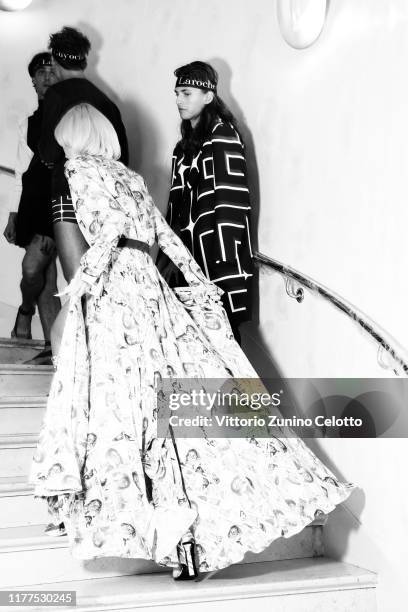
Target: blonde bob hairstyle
x,y
83,130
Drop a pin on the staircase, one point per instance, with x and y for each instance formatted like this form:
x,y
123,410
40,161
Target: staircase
x,y
291,575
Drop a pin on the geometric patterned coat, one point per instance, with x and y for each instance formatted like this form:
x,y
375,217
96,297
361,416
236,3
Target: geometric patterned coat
x,y
209,209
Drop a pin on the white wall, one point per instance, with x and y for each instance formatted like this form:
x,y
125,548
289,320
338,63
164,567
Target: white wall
x,y
326,132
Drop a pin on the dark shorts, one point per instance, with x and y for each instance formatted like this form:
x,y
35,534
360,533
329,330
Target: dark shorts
x,y
62,209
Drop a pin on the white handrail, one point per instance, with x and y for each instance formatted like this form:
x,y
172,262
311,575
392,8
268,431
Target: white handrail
x,y
385,341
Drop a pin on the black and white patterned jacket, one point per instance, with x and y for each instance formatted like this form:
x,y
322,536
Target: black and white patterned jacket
x,y
209,209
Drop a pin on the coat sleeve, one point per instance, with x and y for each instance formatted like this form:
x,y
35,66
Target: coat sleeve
x,y
162,260
229,253
102,217
175,250
231,206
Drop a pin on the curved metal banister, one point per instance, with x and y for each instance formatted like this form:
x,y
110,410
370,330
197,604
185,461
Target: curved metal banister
x,y
385,341
5,170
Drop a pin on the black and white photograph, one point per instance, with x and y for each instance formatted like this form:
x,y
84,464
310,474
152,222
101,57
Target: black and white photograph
x,y
203,289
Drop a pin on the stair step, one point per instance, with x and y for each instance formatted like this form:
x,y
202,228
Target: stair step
x,y
48,559
16,454
34,343
53,562
18,380
21,414
17,350
31,537
296,585
18,506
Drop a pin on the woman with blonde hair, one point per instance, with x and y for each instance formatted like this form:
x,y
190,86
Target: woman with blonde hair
x,y
122,486
69,52
83,128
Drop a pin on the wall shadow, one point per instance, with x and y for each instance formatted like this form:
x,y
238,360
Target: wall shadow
x,y
253,340
141,127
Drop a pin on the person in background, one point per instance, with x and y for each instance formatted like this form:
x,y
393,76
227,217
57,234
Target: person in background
x,y
29,224
69,49
209,203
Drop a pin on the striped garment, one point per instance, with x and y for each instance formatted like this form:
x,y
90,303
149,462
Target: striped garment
x,y
209,208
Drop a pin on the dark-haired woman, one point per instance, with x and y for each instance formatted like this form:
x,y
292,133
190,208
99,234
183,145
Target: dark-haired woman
x,y
209,203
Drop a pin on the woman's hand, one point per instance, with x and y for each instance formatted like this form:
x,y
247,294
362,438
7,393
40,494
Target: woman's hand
x,y
76,288
171,274
211,290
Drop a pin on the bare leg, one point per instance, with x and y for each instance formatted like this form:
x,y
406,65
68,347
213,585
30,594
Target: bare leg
x,y
58,328
71,245
38,255
49,305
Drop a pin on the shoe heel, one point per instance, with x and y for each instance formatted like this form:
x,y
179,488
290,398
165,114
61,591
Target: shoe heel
x,y
185,551
189,556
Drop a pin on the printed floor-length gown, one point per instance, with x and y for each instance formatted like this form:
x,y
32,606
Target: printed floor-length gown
x,y
125,330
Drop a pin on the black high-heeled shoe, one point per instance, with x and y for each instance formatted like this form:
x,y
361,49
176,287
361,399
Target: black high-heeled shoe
x,y
25,313
186,555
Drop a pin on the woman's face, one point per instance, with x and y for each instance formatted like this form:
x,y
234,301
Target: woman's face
x,y
191,101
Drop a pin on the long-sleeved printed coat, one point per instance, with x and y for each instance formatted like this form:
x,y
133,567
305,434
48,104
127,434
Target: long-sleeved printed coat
x,y
102,463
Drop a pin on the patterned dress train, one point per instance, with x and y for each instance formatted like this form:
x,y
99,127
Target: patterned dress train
x,y
99,464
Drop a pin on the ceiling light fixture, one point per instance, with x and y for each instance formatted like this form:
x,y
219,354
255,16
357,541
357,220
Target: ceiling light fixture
x,y
14,5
